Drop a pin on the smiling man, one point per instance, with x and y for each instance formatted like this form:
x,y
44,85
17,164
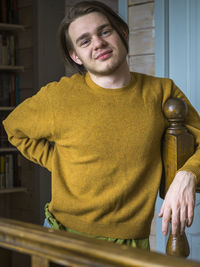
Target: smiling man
x,y
99,132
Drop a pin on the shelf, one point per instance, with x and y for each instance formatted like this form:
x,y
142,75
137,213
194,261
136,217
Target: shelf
x,y
6,108
11,68
13,190
8,149
11,27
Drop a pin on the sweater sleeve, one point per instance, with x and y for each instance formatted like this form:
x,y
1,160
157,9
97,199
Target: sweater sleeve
x,y
192,122
30,128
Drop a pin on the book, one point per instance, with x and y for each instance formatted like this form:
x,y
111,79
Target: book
x,y
9,170
17,167
11,50
5,89
4,143
9,89
17,94
2,171
9,11
3,9
7,49
1,43
12,89
4,50
14,12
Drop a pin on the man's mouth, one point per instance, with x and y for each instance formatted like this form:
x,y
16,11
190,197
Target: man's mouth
x,y
104,55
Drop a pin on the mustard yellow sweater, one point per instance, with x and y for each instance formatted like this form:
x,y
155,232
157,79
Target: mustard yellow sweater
x,y
103,148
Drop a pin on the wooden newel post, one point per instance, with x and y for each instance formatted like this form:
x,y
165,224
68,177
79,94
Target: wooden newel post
x,y
178,146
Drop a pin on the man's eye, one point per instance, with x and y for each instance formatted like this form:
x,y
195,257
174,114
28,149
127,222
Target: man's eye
x,y
84,43
106,32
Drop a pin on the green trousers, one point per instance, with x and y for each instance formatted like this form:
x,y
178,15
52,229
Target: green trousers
x,y
135,243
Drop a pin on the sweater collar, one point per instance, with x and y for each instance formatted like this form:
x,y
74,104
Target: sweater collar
x,y
98,89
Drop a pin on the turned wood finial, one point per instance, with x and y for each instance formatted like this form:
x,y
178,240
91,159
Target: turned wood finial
x,y
175,109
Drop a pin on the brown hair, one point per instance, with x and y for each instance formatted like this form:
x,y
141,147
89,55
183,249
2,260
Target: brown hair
x,y
83,8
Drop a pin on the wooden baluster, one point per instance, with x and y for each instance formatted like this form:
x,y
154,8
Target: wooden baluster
x,y
5,257
37,261
178,146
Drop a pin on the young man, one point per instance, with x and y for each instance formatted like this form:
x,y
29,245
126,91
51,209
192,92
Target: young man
x,y
99,133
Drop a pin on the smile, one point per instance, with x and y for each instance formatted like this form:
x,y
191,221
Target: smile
x,y
104,55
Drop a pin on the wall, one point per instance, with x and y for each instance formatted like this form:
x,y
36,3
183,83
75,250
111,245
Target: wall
x,y
141,41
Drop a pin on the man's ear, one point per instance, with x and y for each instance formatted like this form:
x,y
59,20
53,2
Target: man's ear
x,y
75,58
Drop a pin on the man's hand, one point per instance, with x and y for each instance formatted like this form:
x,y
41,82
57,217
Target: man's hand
x,y
178,205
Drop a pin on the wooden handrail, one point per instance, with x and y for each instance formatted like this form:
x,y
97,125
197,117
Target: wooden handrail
x,y
178,146
48,245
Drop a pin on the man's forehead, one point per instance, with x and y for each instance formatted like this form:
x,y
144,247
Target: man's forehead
x,y
87,23
92,15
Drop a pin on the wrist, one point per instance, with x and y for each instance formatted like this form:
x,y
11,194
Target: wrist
x,y
189,174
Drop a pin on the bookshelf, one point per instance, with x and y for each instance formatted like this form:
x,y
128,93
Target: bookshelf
x,y
7,149
11,27
9,98
11,68
6,108
13,190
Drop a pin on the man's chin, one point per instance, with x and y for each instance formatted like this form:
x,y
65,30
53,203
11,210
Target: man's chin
x,y
108,70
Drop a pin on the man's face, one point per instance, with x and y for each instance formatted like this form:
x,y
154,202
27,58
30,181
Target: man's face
x,y
96,44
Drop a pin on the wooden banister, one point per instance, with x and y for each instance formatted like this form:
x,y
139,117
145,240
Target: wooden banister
x,y
178,146
67,249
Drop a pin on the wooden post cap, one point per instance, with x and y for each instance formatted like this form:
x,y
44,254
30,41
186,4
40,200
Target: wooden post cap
x,y
175,109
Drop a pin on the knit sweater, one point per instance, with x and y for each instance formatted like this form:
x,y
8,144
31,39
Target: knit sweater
x,y
103,148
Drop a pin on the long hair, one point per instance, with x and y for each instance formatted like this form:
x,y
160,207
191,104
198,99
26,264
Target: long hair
x,y
83,8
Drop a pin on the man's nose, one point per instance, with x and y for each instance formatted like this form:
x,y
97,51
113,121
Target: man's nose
x,y
98,42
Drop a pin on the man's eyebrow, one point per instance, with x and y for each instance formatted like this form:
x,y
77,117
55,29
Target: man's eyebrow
x,y
101,27
85,35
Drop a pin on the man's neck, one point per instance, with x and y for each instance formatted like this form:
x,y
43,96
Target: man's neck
x,y
118,79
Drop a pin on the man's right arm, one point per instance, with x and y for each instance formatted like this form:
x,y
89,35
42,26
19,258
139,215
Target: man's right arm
x,y
29,128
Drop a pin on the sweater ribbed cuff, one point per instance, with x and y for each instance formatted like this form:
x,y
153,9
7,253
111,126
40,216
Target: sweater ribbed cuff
x,y
194,171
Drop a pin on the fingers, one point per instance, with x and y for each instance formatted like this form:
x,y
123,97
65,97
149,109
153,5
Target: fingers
x,y
190,214
178,221
189,221
180,217
161,211
175,224
183,219
166,218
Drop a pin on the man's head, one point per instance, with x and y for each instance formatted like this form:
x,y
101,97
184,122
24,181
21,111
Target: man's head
x,y
77,12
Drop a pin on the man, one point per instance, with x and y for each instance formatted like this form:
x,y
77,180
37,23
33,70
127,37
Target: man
x,y
106,126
